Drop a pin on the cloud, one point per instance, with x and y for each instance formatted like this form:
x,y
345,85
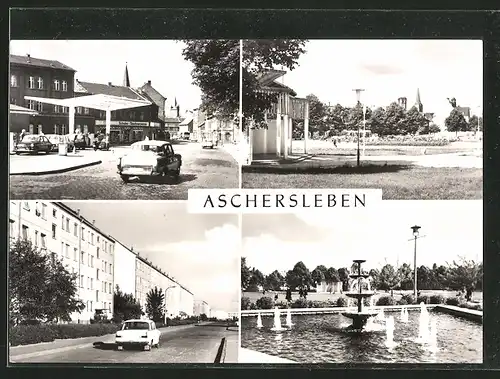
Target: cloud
x,y
381,69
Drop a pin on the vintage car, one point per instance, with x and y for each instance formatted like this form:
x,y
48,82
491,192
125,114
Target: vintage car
x,y
80,141
141,333
149,158
57,139
33,144
207,144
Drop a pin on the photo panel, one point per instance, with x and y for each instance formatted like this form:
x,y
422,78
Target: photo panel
x,y
125,126
322,288
371,113
86,289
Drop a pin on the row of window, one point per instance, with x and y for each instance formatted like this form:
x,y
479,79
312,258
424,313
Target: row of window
x,y
58,129
37,82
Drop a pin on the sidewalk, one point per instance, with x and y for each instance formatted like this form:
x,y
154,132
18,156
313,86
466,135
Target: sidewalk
x,y
252,356
50,164
232,347
57,346
236,150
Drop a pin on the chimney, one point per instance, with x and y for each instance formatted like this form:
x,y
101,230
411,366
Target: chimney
x,y
149,82
131,248
28,58
110,84
93,222
78,211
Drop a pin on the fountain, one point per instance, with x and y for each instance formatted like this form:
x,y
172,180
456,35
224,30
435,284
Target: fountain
x,y
259,321
289,318
404,315
359,318
389,332
423,325
433,336
277,320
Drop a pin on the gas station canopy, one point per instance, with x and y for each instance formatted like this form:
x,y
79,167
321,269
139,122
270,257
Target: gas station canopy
x,y
21,110
100,102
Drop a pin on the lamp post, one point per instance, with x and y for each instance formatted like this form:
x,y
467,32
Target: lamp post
x,y
165,315
415,230
358,97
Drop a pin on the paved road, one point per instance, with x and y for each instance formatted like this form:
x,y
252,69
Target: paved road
x,y
197,344
201,169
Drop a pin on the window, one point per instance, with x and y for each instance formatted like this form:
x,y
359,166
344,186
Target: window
x,y
141,116
39,106
105,246
40,82
62,249
67,251
25,231
54,231
75,254
43,240
91,283
44,211
92,238
36,238
82,258
88,260
105,267
75,229
97,253
98,239
85,128
56,129
63,129
67,225
11,230
79,110
32,104
31,129
86,110
104,305
81,281
88,282
103,286
110,288
26,205
109,307
57,86
54,212
97,274
37,209
96,295
31,82
62,222
64,85
110,268
83,234
13,81
92,261
56,109
132,115
91,305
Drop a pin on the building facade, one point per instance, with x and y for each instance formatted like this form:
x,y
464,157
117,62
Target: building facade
x,y
83,249
125,269
37,77
201,307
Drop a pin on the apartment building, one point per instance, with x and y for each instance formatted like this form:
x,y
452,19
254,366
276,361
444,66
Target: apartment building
x,y
125,268
83,248
201,307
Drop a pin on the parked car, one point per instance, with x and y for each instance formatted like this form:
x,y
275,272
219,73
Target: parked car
x,y
138,333
207,144
57,139
80,141
149,158
33,144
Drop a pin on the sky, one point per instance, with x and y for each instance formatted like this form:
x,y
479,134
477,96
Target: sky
x,y
103,61
201,251
389,69
449,230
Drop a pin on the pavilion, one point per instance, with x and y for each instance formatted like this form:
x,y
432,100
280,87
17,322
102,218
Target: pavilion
x,y
275,141
100,102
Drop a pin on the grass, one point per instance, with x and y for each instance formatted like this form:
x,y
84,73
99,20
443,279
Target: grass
x,y
397,181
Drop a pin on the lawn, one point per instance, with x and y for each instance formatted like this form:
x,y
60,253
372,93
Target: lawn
x,y
398,181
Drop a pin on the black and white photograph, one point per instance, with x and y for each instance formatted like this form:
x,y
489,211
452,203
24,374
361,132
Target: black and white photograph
x,y
122,282
401,115
121,119
402,284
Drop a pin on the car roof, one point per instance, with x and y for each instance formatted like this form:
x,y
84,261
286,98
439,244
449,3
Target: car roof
x,y
151,143
138,320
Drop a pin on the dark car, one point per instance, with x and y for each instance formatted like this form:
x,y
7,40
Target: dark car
x,y
33,144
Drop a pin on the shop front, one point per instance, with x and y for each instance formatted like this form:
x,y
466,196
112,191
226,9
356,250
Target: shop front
x,y
127,132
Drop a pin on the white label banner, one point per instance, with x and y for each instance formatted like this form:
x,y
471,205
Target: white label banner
x,y
281,200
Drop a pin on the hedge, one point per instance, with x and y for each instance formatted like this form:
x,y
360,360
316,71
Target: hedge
x,y
408,142
31,334
436,299
386,300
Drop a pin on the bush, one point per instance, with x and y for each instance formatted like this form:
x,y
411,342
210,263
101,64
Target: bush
x,y
265,302
409,298
31,334
453,301
386,300
180,321
342,302
281,304
300,303
321,304
409,141
423,299
253,306
476,307
245,303
436,299
366,302
402,302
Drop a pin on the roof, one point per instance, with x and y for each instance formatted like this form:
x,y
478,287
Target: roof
x,y
172,119
150,90
269,76
26,60
275,86
108,89
21,110
186,121
151,142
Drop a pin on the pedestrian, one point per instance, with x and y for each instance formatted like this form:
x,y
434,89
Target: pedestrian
x,y
335,142
276,297
23,133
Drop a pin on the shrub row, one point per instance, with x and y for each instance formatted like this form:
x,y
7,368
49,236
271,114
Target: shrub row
x,y
409,142
30,334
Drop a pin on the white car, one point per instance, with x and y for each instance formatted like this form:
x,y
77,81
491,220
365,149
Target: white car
x,y
138,333
207,144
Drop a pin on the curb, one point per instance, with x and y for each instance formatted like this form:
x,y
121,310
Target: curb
x,y
221,351
57,171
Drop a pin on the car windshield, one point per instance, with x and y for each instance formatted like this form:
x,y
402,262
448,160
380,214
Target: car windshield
x,y
152,148
30,138
136,325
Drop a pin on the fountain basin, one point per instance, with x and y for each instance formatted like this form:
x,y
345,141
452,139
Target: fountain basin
x,y
358,295
359,319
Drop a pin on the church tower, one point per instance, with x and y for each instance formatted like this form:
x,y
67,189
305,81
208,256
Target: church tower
x,y
418,103
126,79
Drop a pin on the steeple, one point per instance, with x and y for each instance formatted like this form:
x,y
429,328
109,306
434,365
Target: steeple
x,y
418,103
126,79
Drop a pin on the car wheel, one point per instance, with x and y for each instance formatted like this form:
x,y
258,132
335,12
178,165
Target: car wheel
x,y
125,178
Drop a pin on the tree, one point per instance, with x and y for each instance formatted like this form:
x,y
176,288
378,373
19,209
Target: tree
x,y
274,281
374,275
155,307
317,115
203,317
336,119
331,275
377,122
388,278
405,274
464,274
317,276
245,274
125,306
260,56
475,124
414,121
344,278
40,288
299,277
395,119
256,280
456,122
355,117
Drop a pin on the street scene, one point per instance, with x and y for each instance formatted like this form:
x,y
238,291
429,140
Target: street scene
x,y
123,292
390,114
78,131
409,291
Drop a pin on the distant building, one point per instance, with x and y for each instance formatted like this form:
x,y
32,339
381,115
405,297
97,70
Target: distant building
x,y
201,307
37,77
325,287
157,98
418,103
125,268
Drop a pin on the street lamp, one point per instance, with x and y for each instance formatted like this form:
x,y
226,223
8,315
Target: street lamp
x,y
165,314
358,98
416,233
